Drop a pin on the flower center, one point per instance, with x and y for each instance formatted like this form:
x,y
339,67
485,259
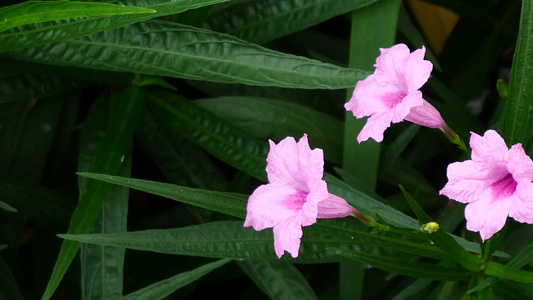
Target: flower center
x,y
504,187
392,99
295,201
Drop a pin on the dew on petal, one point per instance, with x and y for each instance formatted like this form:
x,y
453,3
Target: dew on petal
x,y
504,187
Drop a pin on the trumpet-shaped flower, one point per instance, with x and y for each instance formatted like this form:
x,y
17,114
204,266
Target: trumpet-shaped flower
x,y
391,94
295,196
496,183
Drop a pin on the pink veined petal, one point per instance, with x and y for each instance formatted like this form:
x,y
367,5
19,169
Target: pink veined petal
x,y
519,164
310,162
334,207
375,127
522,208
269,205
287,235
404,108
426,115
282,164
318,193
489,151
416,70
390,66
488,215
369,98
466,183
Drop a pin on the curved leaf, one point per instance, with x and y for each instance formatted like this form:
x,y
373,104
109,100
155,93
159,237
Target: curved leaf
x,y
49,32
168,49
42,11
260,21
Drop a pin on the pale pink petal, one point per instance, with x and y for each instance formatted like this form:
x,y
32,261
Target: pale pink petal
x,y
334,207
282,162
489,151
426,115
369,98
519,164
310,162
287,235
487,215
404,108
466,183
269,205
522,208
375,127
390,66
416,70
318,193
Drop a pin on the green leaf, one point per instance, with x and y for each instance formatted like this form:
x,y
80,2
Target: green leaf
x,y
516,114
274,119
8,286
7,207
260,21
28,86
393,151
226,142
102,266
168,49
442,239
408,268
42,11
278,279
126,109
226,203
502,271
181,162
412,289
50,32
163,288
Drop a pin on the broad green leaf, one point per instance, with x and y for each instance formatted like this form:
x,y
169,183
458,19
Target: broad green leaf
x,y
168,49
218,137
408,268
36,202
102,266
8,286
517,108
30,86
278,279
260,21
7,207
126,109
274,119
50,32
181,162
235,205
503,271
442,239
42,11
163,288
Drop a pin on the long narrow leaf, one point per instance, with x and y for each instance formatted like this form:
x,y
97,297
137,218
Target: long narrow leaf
x,y
168,49
260,21
126,113
163,288
50,32
42,11
506,272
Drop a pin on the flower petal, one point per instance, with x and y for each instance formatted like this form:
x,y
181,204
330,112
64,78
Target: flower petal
x,y
287,235
390,66
489,151
522,208
466,183
416,70
269,205
369,98
294,164
334,207
519,164
318,194
408,103
487,215
375,126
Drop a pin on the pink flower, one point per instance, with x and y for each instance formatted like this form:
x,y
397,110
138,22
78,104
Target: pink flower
x,y
496,183
296,195
391,94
